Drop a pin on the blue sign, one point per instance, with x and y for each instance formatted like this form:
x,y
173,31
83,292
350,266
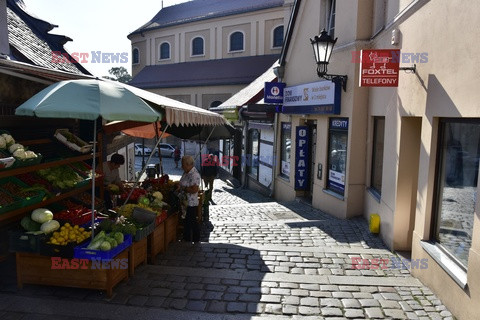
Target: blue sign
x,y
273,92
301,158
322,97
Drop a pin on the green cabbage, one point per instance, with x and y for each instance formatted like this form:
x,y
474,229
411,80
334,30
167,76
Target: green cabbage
x,y
42,215
50,226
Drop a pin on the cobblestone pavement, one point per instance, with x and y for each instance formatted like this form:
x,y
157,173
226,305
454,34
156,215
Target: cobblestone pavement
x,y
258,259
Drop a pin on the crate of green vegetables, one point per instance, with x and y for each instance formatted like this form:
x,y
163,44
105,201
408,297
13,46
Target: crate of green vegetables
x,y
104,246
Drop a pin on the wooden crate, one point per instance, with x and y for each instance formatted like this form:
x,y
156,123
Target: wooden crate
x,y
37,269
156,242
137,255
171,229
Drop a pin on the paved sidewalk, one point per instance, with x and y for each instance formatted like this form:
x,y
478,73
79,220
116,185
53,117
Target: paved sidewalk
x,y
261,260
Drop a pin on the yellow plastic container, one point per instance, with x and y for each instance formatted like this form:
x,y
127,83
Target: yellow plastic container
x,y
374,223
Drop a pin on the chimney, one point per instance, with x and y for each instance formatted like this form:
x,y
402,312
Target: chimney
x,y
4,45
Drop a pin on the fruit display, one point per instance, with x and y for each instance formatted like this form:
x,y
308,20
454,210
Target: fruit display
x,y
136,194
106,241
69,234
62,177
121,224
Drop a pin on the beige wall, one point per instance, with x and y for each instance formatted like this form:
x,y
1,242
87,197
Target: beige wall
x,y
270,25
189,36
141,46
158,41
227,31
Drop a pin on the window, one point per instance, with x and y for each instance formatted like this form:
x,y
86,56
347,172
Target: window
x,y
456,186
286,142
164,51
215,104
252,157
331,18
135,56
377,154
337,154
236,41
278,37
197,46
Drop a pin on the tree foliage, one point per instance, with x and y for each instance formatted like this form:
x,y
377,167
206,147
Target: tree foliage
x,y
119,74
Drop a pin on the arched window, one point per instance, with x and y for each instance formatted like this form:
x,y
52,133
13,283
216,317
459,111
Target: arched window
x,y
236,41
278,37
197,46
215,104
164,51
135,56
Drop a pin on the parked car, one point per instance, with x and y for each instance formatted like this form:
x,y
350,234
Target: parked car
x,y
166,150
141,149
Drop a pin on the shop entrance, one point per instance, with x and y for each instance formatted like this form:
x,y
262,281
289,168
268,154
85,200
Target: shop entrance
x,y
407,184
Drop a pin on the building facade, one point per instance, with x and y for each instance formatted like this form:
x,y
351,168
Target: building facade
x,y
203,52
408,153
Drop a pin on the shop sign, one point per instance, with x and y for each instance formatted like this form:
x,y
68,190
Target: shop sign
x,y
301,158
336,175
273,92
321,97
379,68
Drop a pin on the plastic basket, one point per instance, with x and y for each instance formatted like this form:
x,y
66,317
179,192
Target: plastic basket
x,y
16,188
61,135
54,250
146,217
81,251
8,202
19,241
27,162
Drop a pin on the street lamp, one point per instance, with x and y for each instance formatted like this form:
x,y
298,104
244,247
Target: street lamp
x,y
322,49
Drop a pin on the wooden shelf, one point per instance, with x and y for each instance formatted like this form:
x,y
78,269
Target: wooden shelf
x,y
17,171
14,215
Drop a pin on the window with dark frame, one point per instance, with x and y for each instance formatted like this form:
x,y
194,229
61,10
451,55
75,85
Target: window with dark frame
x,y
254,151
377,155
278,37
458,156
164,51
135,56
331,18
285,149
197,46
337,155
236,41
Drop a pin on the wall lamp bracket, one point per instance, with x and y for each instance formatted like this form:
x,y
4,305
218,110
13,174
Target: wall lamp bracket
x,y
412,69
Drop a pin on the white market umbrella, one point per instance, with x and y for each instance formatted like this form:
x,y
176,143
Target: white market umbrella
x,y
88,100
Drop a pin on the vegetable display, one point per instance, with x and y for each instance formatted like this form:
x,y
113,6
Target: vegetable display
x,y
105,242
42,215
69,234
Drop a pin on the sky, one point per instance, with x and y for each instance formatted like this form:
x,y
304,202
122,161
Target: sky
x,y
98,25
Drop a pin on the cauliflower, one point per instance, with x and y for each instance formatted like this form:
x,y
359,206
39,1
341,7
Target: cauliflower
x,y
30,154
20,154
3,143
158,195
15,147
8,139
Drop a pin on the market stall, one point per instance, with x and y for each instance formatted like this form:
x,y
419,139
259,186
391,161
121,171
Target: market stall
x,y
60,216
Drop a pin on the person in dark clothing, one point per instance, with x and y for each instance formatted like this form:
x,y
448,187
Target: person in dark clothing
x,y
209,171
176,156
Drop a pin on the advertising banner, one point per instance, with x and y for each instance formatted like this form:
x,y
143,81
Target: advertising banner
x,y
321,97
301,158
273,92
379,68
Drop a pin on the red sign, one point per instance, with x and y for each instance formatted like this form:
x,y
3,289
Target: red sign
x,y
379,68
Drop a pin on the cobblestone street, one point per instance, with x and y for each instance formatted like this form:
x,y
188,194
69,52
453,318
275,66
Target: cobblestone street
x,y
258,259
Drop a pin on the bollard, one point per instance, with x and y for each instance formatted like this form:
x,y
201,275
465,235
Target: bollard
x,y
374,223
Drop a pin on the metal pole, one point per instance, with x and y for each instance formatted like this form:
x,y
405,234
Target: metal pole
x,y
144,167
93,174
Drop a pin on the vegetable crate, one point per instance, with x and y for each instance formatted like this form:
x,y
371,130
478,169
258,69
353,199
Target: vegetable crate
x,y
144,216
82,252
137,255
18,189
72,141
53,250
20,241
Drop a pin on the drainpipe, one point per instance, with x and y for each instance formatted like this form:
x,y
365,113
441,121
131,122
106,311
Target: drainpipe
x,y
279,72
4,44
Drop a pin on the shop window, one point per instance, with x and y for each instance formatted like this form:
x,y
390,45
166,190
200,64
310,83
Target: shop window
x,y
286,142
135,56
278,37
165,51
456,186
197,46
236,41
254,151
377,154
337,154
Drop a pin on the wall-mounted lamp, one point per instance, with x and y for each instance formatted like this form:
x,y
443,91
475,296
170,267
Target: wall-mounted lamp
x,y
322,49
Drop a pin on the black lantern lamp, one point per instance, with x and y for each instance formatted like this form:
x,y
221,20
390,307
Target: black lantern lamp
x,y
322,49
